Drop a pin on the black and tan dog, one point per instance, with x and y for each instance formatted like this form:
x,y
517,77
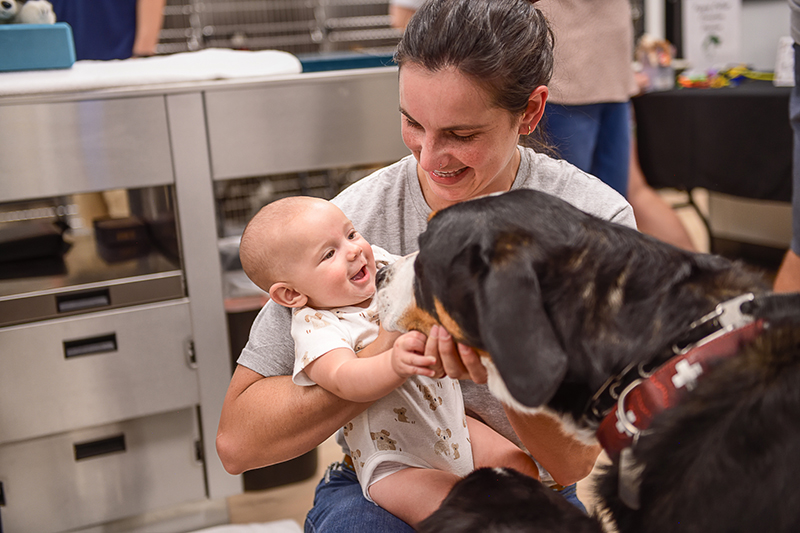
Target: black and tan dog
x,y
570,313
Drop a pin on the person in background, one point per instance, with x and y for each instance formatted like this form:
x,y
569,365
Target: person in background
x,y
112,29
588,116
788,278
401,11
467,99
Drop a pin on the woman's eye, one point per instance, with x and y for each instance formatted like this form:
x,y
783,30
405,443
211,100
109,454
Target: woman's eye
x,y
464,137
412,124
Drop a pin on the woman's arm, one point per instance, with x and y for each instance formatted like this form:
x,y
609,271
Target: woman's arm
x,y
268,420
567,459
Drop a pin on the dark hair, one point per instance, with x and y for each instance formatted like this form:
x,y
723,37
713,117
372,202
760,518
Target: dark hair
x,y
506,46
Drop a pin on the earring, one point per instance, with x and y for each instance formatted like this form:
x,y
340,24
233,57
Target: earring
x,y
530,129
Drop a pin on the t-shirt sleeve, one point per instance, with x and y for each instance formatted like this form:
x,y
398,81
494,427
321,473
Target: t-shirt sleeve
x,y
270,349
315,333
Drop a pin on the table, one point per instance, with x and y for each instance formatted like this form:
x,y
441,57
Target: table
x,y
733,140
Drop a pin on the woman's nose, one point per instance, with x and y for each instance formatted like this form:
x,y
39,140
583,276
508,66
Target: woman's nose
x,y
431,154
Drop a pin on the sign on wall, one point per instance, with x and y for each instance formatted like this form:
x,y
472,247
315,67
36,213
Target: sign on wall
x,y
711,32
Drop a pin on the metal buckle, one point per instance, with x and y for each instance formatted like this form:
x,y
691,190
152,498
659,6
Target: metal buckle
x,y
622,417
727,316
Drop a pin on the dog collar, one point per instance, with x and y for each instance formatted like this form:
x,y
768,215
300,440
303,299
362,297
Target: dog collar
x,y
642,399
726,317
640,394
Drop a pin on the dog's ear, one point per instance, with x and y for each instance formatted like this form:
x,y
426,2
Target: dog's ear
x,y
518,334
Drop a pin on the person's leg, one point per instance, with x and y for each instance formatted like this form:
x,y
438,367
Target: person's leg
x,y
412,494
573,132
612,154
653,215
340,507
491,449
788,278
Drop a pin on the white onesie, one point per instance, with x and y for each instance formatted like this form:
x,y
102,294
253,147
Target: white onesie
x,y
420,424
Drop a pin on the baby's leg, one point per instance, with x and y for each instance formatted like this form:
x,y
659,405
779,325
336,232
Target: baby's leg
x,y
491,449
413,494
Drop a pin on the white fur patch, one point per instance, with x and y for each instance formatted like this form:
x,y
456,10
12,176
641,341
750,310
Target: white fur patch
x,y
499,390
396,296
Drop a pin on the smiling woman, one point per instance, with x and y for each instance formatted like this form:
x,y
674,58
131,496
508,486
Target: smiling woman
x,y
473,76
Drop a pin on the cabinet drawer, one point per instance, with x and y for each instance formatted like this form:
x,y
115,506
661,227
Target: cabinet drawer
x,y
65,374
104,473
68,147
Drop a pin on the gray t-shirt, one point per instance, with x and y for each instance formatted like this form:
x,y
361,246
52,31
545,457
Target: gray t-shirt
x,y
389,210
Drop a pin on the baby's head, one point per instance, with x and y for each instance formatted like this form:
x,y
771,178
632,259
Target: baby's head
x,y
305,251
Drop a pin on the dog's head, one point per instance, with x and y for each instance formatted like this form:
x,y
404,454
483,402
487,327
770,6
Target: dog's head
x,y
475,275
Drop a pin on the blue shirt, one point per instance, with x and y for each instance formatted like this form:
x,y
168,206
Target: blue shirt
x,y
102,29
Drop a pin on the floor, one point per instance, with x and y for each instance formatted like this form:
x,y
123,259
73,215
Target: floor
x,y
293,501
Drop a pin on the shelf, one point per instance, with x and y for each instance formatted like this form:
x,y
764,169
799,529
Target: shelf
x,y
84,282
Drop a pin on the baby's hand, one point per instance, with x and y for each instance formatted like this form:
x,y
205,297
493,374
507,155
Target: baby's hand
x,y
409,356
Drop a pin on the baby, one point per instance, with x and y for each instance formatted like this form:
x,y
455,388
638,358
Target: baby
x,y
415,441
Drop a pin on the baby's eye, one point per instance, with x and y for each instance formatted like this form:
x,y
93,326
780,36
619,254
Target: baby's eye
x,y
352,235
328,255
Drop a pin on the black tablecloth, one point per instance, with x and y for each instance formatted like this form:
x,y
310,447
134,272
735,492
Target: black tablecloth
x,y
733,140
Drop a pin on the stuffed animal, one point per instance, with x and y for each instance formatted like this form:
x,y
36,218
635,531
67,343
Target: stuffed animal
x,y
30,12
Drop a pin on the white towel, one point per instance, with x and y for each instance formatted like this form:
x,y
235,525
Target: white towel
x,y
279,526
204,65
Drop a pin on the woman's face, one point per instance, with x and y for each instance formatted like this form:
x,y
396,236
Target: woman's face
x,y
465,147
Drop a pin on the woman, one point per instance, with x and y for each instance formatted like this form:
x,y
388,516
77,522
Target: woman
x,y
473,76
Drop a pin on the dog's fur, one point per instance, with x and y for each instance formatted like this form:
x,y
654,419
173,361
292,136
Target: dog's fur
x,y
497,500
557,301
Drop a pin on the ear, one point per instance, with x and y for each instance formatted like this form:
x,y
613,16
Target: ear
x,y
286,296
518,334
534,111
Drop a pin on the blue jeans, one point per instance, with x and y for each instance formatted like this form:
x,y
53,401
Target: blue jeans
x,y
340,507
595,138
794,116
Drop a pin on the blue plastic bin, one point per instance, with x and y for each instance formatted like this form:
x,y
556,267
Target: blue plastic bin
x,y
36,46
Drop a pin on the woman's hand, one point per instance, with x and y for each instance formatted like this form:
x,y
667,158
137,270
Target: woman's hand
x,y
458,360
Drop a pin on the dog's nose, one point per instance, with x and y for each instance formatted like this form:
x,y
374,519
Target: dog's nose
x,y
380,276
6,5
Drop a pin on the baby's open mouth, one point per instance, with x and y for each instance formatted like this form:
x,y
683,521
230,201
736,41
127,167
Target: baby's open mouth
x,y
360,274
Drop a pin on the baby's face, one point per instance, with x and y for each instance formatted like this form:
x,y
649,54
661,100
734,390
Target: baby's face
x,y
334,265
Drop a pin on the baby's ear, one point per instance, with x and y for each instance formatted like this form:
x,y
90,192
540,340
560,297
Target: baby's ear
x,y
287,296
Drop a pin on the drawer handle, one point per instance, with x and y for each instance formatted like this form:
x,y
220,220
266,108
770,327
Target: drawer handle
x,y
83,300
85,450
91,346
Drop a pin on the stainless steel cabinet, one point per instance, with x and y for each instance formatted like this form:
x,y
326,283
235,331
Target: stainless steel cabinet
x,y
113,372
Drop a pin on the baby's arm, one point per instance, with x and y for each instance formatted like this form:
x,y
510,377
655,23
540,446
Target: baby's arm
x,y
368,379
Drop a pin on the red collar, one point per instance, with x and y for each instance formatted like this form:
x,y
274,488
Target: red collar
x,y
643,399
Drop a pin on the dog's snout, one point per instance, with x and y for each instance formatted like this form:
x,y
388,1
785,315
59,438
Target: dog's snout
x,y
381,276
